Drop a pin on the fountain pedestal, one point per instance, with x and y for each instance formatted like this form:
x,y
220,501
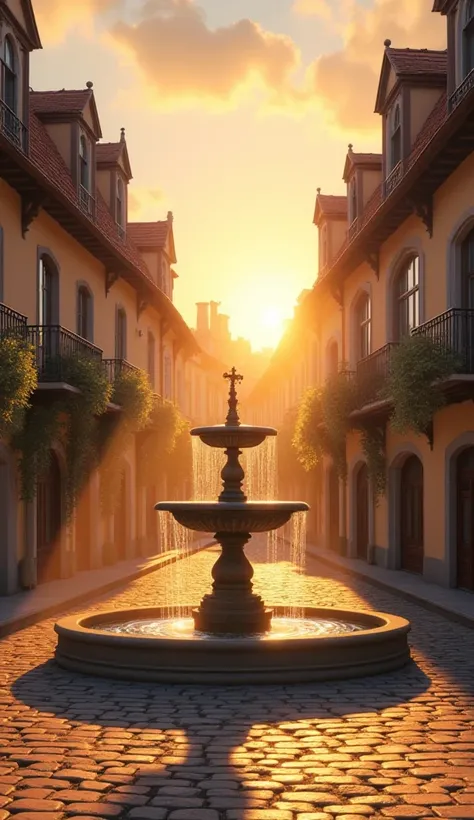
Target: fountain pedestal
x,y
232,608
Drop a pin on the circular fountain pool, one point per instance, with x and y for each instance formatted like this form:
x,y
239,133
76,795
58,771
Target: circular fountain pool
x,y
147,645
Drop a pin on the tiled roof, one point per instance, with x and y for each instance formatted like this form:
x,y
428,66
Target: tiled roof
x,y
366,159
108,151
148,234
59,102
418,61
332,205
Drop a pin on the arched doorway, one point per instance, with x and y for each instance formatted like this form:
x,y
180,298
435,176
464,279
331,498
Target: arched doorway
x,y
411,515
362,512
121,520
333,488
48,523
465,520
83,532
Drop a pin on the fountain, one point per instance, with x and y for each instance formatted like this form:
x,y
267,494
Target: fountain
x,y
232,636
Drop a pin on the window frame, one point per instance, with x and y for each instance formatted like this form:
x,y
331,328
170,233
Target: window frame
x,y
85,298
120,202
410,295
395,137
363,326
121,333
10,74
84,163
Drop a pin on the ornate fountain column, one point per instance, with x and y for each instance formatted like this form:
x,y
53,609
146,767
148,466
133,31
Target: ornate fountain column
x,y
232,607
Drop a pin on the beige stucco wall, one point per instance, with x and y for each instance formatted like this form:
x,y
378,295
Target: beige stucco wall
x,y
422,102
61,134
370,181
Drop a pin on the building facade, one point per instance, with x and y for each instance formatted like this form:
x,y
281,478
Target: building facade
x,y
395,261
77,278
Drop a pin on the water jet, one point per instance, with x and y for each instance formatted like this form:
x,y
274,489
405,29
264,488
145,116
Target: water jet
x,y
233,636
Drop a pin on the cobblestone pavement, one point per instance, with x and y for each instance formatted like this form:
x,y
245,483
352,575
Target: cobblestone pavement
x,y
393,746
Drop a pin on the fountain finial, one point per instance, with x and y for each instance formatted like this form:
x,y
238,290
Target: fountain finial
x,y
232,419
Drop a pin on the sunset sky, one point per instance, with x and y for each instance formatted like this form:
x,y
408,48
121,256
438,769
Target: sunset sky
x,y
235,112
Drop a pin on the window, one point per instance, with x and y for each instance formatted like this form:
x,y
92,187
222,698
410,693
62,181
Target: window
x,y
468,38
363,328
151,358
467,271
84,313
119,208
353,205
9,76
332,359
396,139
84,162
47,292
407,295
121,334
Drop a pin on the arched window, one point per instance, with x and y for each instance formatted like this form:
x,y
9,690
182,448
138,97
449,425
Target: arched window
x,y
407,297
396,138
353,215
84,168
119,208
48,302
468,38
332,359
85,323
151,358
467,271
121,334
363,326
9,76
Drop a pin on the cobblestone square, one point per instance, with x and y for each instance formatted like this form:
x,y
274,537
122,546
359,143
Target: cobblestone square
x,y
392,746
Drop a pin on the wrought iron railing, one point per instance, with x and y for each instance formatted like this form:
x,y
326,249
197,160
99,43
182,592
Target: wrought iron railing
x,y
353,228
454,331
462,91
10,320
54,346
114,367
120,231
394,178
86,201
11,125
371,374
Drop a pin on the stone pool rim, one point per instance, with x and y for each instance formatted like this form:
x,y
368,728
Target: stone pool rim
x,y
83,647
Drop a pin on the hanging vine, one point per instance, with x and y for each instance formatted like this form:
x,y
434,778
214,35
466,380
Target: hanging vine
x,y
418,367
18,380
42,427
373,446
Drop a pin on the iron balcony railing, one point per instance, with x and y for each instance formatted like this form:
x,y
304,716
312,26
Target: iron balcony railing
x,y
10,320
454,331
54,346
353,228
114,367
86,201
371,374
394,178
462,91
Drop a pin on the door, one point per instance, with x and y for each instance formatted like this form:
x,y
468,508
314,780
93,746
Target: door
x,y
48,523
411,516
333,510
463,341
120,522
83,532
465,520
362,512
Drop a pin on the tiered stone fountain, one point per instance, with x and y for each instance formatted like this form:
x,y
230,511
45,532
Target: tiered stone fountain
x,y
233,637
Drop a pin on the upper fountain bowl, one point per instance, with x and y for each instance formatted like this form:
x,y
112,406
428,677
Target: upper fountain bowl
x,y
232,516
242,436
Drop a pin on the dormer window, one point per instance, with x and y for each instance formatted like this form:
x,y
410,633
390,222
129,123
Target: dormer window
x,y
84,162
324,246
468,37
396,139
120,207
9,76
353,202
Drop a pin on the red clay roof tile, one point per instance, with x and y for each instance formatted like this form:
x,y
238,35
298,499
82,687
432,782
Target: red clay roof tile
x,y
332,205
149,234
418,61
60,102
108,151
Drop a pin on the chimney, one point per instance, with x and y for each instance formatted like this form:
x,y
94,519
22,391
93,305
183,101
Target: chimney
x,y
122,135
170,217
224,327
202,325
214,324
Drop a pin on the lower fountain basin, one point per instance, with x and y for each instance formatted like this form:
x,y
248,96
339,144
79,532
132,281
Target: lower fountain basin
x,y
368,643
232,516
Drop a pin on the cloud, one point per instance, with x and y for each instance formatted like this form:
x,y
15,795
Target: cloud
x,y
184,60
56,17
142,202
345,81
318,8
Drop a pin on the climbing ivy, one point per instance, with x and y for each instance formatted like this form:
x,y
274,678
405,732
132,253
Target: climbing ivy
x,y
18,380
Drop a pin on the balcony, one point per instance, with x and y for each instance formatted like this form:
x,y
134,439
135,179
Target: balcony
x,y
353,228
393,179
453,330
115,367
53,346
10,320
371,374
13,128
461,91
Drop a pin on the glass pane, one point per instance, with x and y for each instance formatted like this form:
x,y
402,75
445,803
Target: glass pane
x,y
9,55
402,282
403,318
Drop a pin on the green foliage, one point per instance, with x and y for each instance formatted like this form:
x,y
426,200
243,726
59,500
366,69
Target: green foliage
x,y
82,425
323,423
160,440
18,380
178,461
418,366
42,427
132,392
373,446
